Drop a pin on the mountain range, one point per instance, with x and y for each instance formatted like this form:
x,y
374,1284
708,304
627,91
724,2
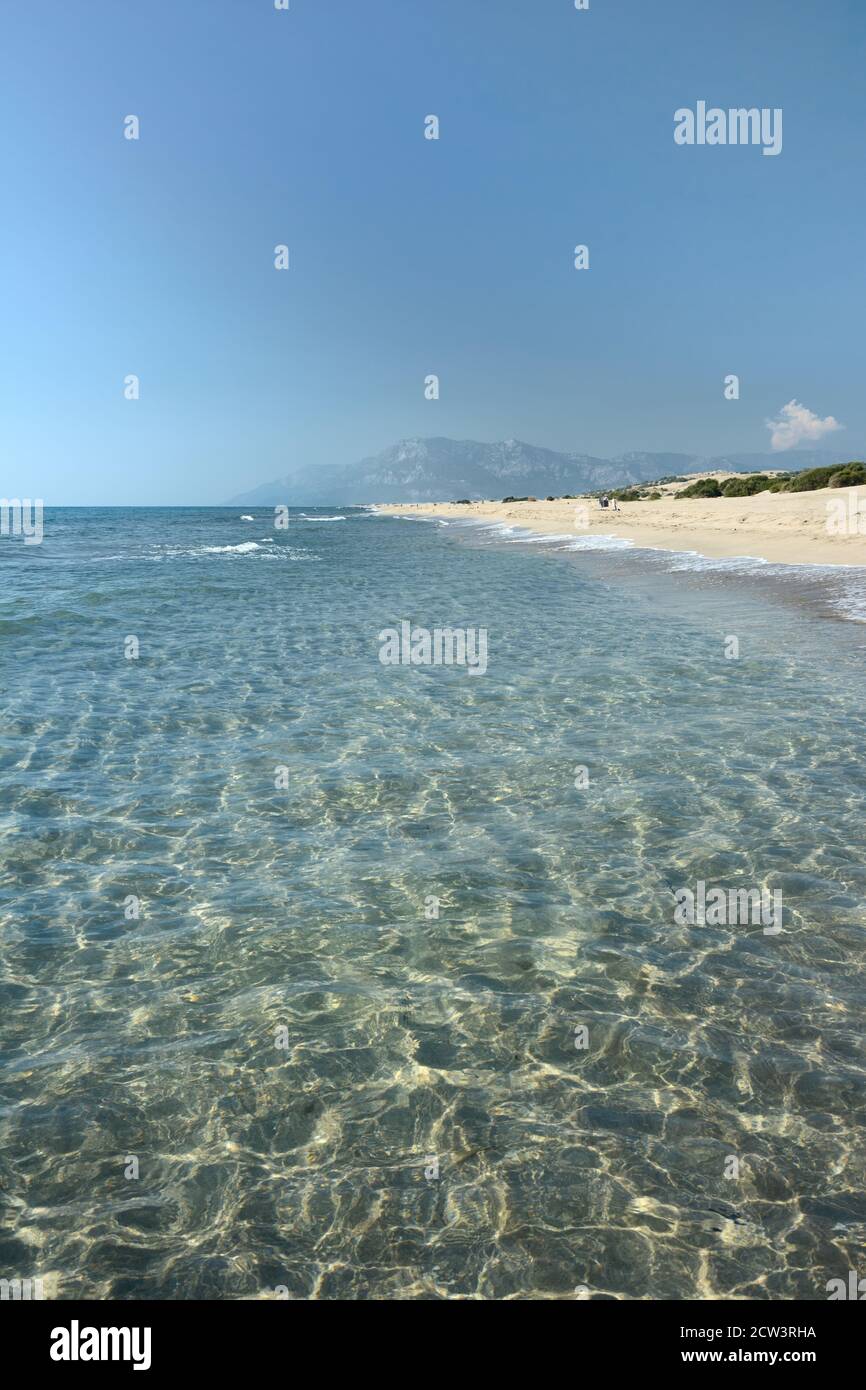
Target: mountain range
x,y
441,470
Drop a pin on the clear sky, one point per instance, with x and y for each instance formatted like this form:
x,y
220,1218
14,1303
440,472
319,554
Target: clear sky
x,y
410,256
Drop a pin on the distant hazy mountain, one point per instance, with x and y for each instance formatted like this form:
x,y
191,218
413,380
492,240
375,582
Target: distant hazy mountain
x,y
440,470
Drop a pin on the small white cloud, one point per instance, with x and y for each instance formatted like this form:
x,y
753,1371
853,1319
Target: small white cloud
x,y
796,424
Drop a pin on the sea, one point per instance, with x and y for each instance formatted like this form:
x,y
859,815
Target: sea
x,y
329,976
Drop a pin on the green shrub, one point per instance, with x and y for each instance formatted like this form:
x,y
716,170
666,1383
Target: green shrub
x,y
704,487
810,479
746,486
848,475
852,475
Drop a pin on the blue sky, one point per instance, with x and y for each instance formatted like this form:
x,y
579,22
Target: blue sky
x,y
409,256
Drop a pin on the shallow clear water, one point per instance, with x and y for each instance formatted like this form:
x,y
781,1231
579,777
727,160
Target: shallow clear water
x,y
409,1038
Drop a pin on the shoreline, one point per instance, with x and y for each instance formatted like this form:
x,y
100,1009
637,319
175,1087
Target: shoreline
x,y
779,528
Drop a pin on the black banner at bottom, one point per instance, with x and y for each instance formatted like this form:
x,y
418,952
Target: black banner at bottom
x,y
661,1338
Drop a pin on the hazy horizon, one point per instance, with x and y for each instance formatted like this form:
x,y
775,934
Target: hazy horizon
x,y
791,460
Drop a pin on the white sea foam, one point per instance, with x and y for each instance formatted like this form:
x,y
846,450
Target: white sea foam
x,y
266,549
850,602
524,535
843,587
682,560
243,549
599,543
537,538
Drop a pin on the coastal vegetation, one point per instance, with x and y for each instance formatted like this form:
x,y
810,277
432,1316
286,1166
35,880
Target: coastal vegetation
x,y
747,484
851,475
739,485
704,487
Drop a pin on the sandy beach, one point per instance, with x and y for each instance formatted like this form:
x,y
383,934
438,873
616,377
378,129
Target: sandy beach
x,y
782,527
